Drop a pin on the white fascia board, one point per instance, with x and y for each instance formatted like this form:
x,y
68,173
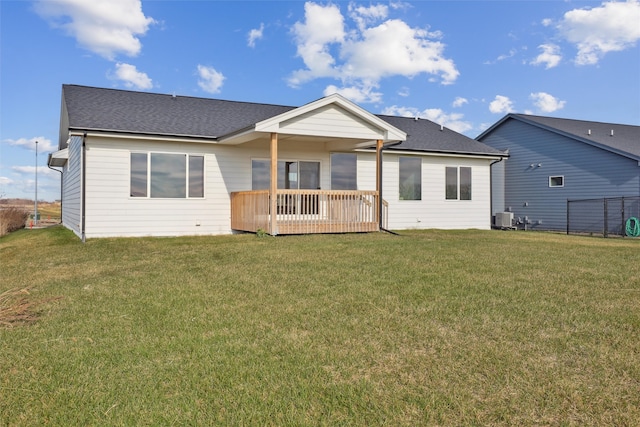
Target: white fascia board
x,y
58,158
136,136
436,154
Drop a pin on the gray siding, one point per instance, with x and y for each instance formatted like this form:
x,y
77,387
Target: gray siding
x,y
536,154
71,186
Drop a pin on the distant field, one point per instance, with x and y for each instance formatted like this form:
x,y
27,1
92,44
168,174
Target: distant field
x,y
484,328
50,213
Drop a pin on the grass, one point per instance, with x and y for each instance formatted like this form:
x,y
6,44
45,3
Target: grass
x,y
426,328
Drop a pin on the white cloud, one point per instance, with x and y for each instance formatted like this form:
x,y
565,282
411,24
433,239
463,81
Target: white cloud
x,y
406,51
363,56
24,184
546,103
511,54
104,27
550,56
364,16
459,102
323,26
395,110
31,171
501,104
44,144
255,34
356,94
452,121
611,27
131,77
210,80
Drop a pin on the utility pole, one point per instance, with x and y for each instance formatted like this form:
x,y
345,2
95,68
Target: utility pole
x,y
35,210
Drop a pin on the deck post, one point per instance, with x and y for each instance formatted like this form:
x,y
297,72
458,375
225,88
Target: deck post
x,y
379,182
273,187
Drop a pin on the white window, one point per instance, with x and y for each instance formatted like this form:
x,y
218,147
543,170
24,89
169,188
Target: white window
x,y
457,183
410,178
344,171
167,175
556,181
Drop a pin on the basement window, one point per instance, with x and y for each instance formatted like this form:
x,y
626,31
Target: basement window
x,y
556,181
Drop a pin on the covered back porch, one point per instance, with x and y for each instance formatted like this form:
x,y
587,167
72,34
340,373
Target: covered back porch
x,y
330,124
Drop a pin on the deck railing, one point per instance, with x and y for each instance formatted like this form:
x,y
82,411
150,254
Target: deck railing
x,y
307,211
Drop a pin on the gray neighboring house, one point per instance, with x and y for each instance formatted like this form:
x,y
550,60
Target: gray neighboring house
x,y
552,160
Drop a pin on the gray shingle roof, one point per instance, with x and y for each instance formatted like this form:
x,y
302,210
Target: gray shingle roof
x,y
425,135
618,138
92,108
100,109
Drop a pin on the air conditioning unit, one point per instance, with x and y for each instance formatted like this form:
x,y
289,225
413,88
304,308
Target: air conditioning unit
x,y
504,219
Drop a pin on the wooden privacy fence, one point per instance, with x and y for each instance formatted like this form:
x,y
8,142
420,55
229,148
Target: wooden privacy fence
x,y
307,211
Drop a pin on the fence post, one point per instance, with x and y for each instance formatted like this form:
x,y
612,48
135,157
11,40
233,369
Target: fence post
x,y
622,229
568,216
606,219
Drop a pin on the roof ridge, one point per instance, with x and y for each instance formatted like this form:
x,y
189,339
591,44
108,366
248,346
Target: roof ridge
x,y
534,116
177,95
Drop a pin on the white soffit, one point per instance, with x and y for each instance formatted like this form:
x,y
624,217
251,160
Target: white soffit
x,y
59,158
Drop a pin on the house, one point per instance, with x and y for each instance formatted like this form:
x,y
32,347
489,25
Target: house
x,y
138,163
552,160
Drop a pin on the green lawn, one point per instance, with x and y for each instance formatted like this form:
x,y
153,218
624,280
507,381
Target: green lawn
x,y
427,328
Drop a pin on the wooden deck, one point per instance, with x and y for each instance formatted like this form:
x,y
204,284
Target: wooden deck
x,y
307,211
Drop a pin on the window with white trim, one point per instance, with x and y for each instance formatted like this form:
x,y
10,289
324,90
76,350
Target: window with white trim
x,y
458,183
410,169
167,175
344,171
556,181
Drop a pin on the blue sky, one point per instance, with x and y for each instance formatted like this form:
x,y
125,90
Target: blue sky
x,y
463,64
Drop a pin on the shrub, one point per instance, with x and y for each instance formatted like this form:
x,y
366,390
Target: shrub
x,y
12,219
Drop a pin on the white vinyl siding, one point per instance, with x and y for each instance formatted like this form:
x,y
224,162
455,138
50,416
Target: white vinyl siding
x,y
434,211
111,211
331,121
72,187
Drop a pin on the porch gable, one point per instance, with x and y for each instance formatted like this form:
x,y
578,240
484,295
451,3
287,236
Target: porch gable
x,y
331,117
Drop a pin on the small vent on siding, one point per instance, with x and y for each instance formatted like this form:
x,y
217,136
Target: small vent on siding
x,y
588,131
611,132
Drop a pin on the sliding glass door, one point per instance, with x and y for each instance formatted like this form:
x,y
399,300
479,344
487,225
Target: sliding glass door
x,y
292,175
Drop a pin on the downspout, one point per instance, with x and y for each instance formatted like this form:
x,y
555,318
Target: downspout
x,y
60,187
379,183
84,191
380,194
491,190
